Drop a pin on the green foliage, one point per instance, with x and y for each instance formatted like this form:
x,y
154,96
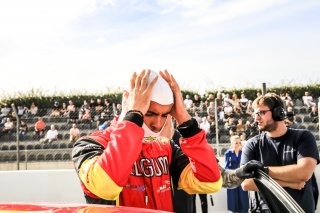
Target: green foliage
x,y
48,101
44,101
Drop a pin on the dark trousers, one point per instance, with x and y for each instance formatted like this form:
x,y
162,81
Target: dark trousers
x,y
203,201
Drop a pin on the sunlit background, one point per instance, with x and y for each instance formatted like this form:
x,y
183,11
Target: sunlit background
x,y
95,45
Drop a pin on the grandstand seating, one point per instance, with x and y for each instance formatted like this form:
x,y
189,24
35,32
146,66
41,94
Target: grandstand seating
x,y
32,150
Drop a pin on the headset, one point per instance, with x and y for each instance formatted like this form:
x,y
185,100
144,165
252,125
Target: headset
x,y
278,112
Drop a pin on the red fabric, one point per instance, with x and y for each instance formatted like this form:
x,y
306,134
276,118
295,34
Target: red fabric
x,y
195,148
40,125
133,165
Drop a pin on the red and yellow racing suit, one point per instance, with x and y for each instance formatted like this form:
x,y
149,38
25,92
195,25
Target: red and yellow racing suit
x,y
120,165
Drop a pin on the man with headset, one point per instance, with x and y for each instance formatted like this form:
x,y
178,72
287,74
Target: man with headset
x,y
289,155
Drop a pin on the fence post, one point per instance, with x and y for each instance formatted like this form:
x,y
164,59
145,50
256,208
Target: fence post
x,y
17,135
26,159
264,88
319,117
217,128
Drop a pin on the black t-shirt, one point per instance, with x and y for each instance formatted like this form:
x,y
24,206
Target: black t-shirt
x,y
285,150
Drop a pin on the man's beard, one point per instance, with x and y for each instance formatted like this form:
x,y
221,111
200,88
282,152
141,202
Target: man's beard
x,y
269,127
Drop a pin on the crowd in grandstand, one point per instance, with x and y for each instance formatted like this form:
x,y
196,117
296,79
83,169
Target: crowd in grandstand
x,y
232,114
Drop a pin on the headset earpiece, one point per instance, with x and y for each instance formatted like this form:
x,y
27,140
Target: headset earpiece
x,y
278,113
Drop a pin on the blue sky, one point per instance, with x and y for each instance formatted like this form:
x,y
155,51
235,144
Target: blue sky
x,y
62,46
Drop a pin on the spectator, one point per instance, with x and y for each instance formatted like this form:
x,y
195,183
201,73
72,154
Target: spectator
x,y
237,110
74,133
228,113
205,125
235,99
5,110
23,129
219,102
230,125
3,121
21,111
83,107
105,114
314,114
238,200
33,110
221,114
86,117
55,110
308,100
108,108
211,110
290,116
240,128
188,102
72,112
64,110
209,99
227,101
52,135
98,110
249,110
103,117
39,127
196,101
288,100
92,104
198,118
104,125
8,126
118,109
243,102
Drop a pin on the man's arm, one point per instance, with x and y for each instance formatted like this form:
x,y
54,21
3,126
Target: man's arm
x,y
291,176
201,175
98,158
302,171
229,178
249,185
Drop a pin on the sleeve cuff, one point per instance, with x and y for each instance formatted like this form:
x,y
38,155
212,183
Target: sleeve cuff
x,y
135,118
189,128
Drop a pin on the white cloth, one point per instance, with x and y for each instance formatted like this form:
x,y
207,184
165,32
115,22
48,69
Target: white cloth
x,y
52,134
161,92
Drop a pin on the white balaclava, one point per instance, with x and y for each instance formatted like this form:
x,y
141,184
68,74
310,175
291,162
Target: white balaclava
x,y
161,93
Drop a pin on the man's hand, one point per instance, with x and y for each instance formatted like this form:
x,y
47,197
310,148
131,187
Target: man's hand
x,y
249,169
139,95
178,111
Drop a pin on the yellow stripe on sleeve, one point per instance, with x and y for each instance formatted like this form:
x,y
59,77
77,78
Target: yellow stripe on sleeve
x,y
190,184
97,181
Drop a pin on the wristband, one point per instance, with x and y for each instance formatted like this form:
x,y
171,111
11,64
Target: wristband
x,y
135,111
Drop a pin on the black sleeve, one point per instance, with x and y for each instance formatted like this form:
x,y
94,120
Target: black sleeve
x,y
83,149
189,128
248,151
179,159
307,146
